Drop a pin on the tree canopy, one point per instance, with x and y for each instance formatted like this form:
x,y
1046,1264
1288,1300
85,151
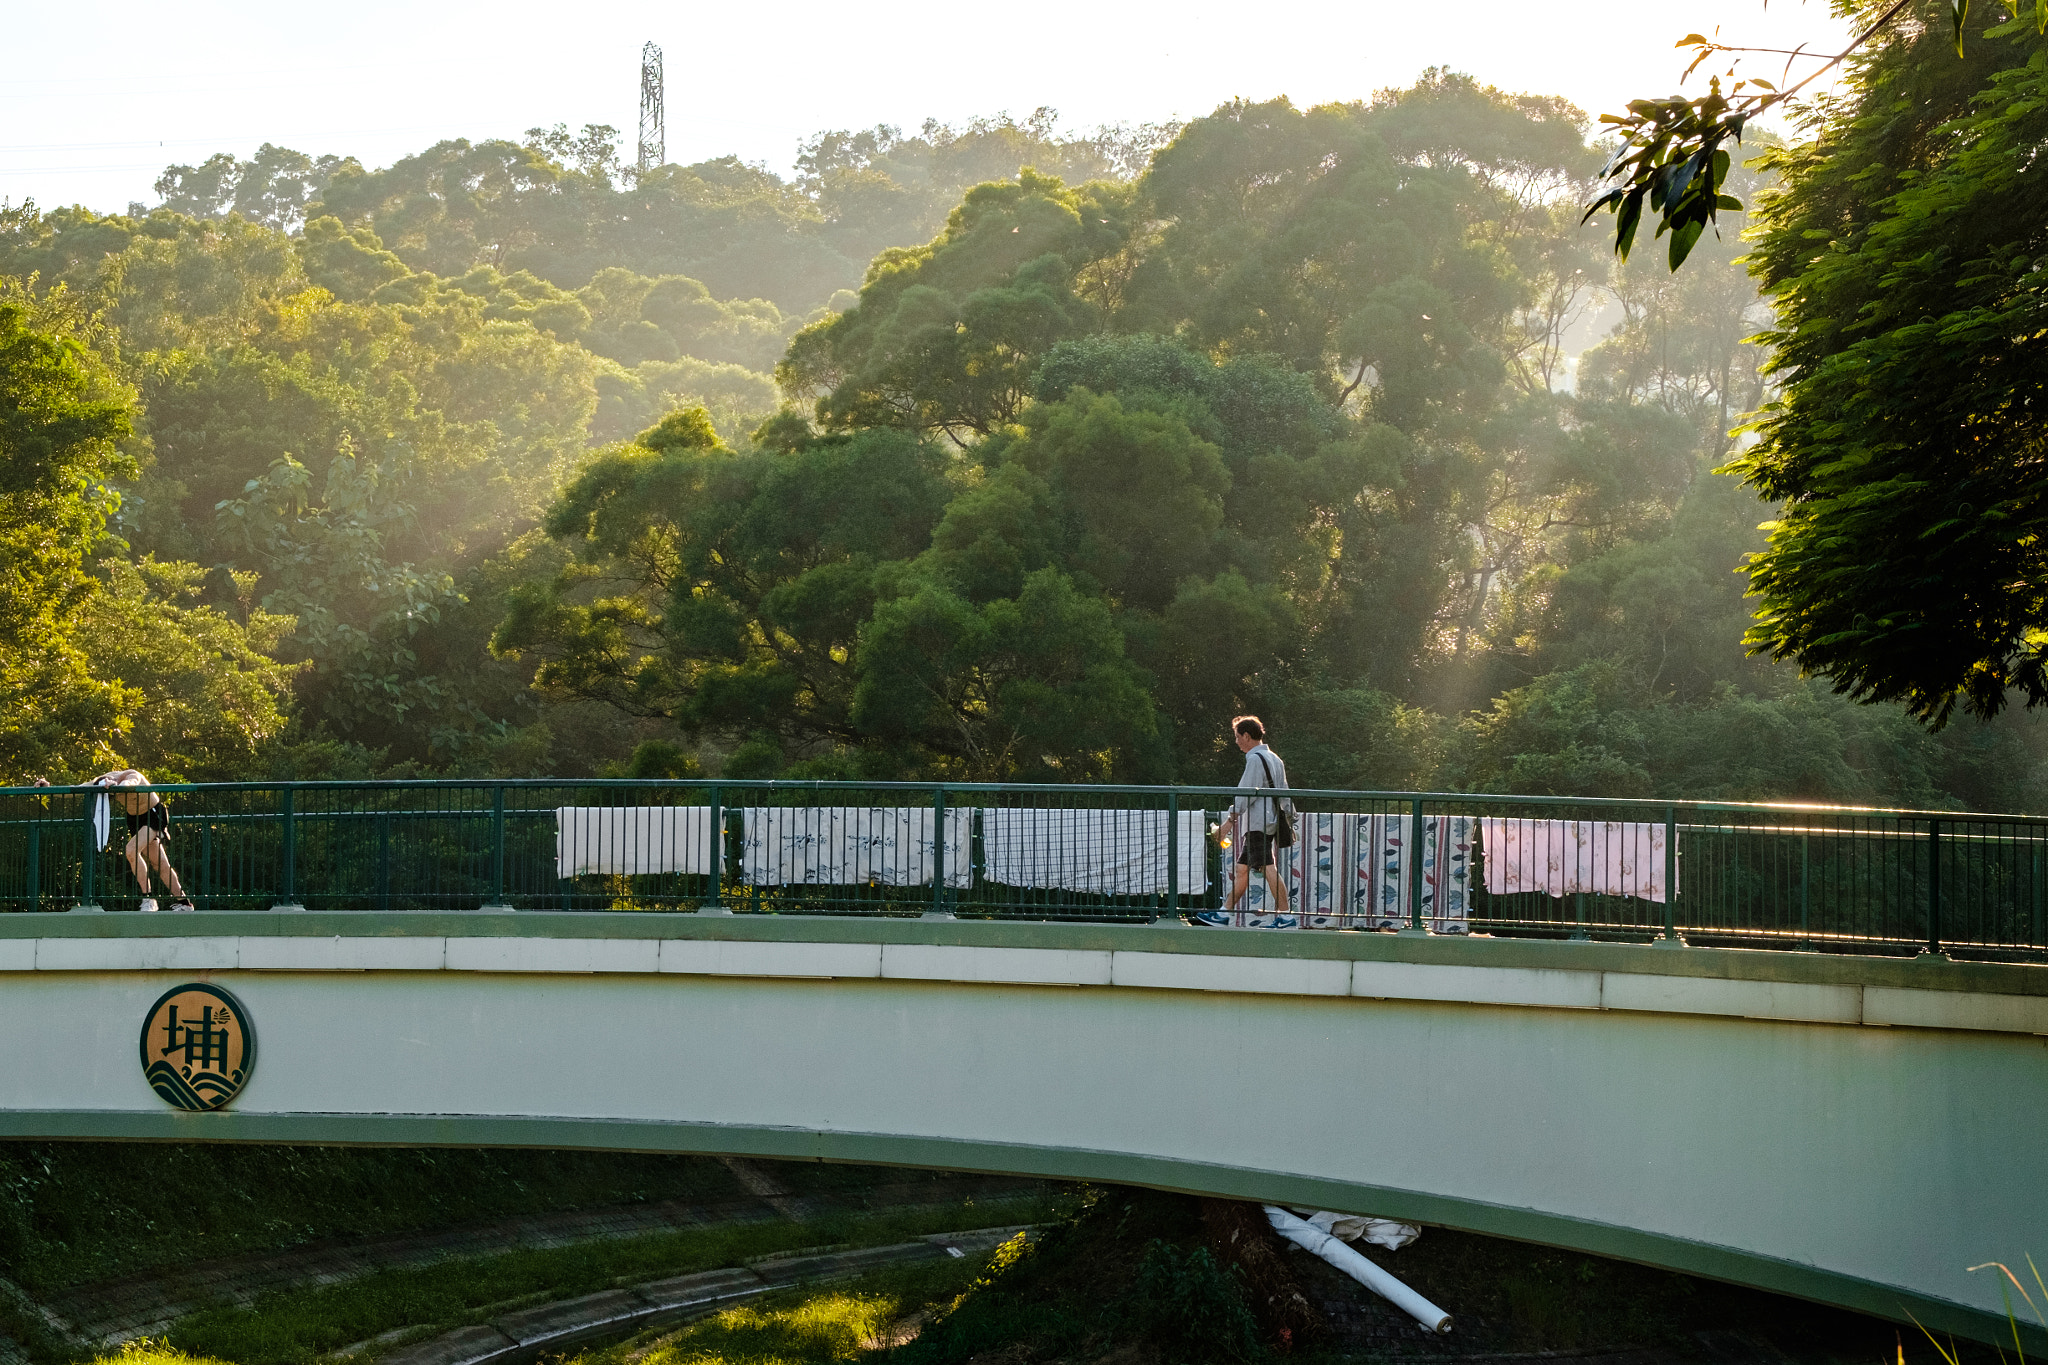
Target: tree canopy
x,y
992,451
1902,249
91,664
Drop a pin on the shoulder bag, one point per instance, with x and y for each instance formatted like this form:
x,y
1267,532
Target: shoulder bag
x,y
1283,819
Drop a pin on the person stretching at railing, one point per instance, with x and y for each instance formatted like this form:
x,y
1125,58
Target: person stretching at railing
x,y
149,826
1259,817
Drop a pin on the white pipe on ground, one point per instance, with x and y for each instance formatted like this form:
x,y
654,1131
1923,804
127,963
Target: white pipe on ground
x,y
1310,1238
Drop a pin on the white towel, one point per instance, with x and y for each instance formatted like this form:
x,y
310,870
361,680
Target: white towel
x,y
102,821
632,839
1557,857
1107,852
851,846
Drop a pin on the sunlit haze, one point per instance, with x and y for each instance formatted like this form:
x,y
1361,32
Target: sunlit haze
x,y
111,93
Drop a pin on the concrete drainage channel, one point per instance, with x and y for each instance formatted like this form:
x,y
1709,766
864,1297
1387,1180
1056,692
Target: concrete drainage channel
x,y
523,1337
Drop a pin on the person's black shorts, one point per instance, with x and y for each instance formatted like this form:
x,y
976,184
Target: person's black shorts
x,y
158,818
1257,851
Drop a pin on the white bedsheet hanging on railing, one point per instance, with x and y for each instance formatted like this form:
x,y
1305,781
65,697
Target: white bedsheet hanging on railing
x,y
1560,857
1102,852
632,840
852,846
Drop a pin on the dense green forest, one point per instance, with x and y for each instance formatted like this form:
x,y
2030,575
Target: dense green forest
x,y
986,452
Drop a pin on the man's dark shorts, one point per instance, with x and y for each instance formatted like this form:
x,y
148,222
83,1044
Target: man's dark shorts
x,y
158,818
1257,851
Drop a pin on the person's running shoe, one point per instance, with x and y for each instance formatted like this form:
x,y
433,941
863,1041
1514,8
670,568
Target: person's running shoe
x,y
148,906
183,903
1284,922
1210,919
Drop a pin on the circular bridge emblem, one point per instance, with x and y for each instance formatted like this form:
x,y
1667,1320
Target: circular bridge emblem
x,y
198,1047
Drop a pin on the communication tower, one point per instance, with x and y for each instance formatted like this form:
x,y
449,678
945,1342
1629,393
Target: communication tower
x,y
653,133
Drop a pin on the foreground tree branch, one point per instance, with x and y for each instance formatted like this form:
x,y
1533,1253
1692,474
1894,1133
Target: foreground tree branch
x,y
1673,159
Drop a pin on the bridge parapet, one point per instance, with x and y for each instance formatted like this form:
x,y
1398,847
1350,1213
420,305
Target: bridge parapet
x,y
1785,877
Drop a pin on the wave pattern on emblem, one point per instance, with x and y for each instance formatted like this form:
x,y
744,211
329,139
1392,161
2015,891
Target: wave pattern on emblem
x,y
202,1092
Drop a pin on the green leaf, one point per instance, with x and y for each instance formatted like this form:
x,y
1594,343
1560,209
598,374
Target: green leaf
x,y
1682,239
1605,201
1629,215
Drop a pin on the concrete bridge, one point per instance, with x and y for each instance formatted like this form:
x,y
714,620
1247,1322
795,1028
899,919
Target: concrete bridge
x,y
1852,1130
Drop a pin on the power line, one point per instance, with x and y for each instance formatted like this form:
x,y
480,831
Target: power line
x,y
78,170
653,129
217,139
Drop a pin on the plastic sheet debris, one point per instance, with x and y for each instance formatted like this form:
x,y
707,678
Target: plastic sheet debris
x,y
1311,1238
1359,1227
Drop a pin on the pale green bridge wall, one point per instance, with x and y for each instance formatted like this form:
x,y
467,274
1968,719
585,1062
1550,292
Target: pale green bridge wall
x,y
1857,1131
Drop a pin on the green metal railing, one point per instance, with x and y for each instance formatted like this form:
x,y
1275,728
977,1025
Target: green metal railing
x,y
1805,877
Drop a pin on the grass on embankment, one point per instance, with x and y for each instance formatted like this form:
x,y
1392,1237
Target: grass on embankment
x,y
1124,1280
824,1326
297,1326
819,1326
75,1213
148,1352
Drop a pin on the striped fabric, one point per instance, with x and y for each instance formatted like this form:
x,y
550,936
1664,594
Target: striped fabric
x,y
1351,872
1104,852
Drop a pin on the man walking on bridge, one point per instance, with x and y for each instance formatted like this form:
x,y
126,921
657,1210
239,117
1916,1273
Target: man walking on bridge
x,y
1260,819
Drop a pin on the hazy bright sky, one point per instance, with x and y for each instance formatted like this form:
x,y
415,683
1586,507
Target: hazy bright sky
x,y
97,96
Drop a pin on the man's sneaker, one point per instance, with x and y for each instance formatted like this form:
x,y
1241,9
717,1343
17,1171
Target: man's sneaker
x,y
148,906
183,903
1284,922
1210,919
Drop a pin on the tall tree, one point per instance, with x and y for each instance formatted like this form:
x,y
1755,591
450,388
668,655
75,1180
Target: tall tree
x,y
945,337
1909,440
62,421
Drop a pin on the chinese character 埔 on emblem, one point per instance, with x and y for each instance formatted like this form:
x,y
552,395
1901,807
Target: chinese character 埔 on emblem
x,y
198,1047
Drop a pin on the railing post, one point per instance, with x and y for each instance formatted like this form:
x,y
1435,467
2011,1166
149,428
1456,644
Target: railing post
x,y
716,905
938,910
1805,885
1934,886
383,859
1671,938
2035,939
287,859
88,865
497,903
1415,869
1172,855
